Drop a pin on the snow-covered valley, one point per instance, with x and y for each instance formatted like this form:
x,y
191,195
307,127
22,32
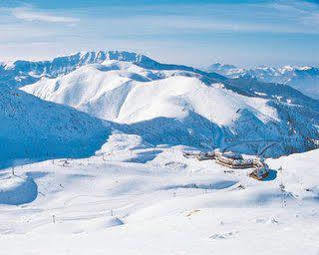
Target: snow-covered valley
x,y
92,161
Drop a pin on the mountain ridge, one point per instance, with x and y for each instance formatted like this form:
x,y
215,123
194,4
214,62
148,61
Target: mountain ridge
x,y
302,78
169,104
187,107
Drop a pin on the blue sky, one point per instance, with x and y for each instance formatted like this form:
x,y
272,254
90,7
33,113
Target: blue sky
x,y
193,32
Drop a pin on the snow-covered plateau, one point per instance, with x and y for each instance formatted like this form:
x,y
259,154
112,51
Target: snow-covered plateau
x,y
91,159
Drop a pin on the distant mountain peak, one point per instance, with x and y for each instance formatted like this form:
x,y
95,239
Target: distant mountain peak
x,y
302,78
22,72
82,57
220,67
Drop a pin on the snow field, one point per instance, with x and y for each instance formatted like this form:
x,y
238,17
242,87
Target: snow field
x,y
166,204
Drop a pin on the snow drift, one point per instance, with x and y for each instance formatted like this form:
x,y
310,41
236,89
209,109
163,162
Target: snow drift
x,y
16,190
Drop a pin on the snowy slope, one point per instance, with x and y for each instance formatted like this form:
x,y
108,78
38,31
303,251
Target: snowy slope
x,y
32,129
118,202
127,93
186,107
302,78
108,138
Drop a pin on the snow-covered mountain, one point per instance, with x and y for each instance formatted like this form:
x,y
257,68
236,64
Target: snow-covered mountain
x,y
170,104
221,68
302,78
110,133
19,73
33,129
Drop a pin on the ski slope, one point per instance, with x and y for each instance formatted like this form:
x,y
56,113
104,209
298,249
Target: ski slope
x,y
91,159
124,201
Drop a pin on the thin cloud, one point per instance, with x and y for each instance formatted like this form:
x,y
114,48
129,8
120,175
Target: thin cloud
x,y
31,15
268,31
